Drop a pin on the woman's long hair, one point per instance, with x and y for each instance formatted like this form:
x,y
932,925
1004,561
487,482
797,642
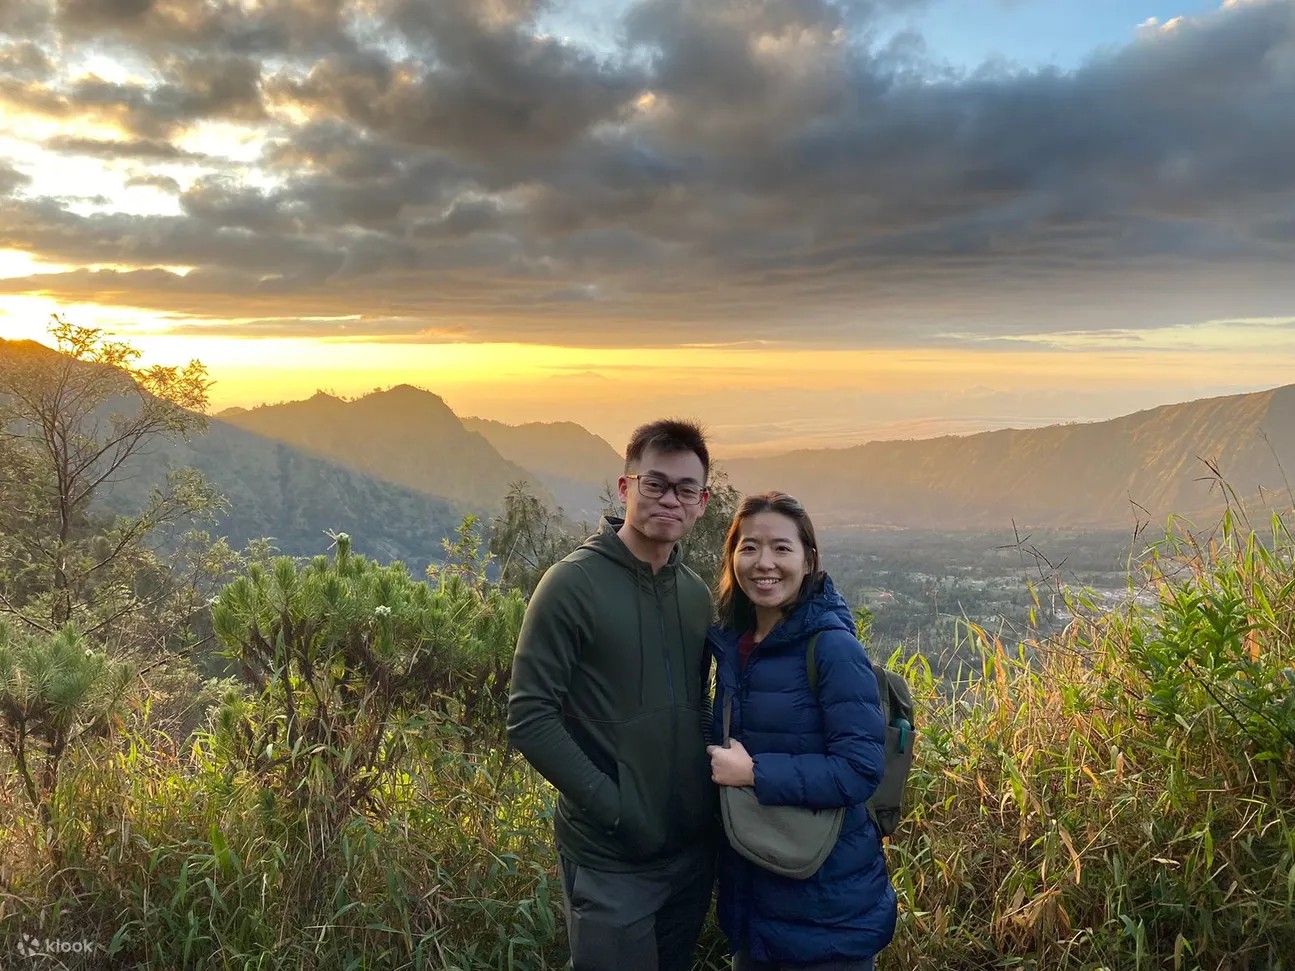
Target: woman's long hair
x,y
733,607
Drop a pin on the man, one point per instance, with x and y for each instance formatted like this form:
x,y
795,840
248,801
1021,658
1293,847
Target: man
x,y
609,686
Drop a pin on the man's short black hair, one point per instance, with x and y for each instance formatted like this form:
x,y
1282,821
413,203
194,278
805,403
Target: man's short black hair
x,y
668,435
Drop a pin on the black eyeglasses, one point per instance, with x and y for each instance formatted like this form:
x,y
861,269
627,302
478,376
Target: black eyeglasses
x,y
654,487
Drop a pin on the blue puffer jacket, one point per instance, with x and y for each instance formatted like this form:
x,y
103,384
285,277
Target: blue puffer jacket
x,y
822,752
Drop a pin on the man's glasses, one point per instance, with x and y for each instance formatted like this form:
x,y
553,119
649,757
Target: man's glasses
x,y
654,487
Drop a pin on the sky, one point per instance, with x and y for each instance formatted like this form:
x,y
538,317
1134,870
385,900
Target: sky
x,y
804,222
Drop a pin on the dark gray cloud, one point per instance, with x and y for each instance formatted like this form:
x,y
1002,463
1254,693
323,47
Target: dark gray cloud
x,y
236,27
23,18
25,61
163,183
46,227
196,88
483,83
733,163
99,14
138,148
11,179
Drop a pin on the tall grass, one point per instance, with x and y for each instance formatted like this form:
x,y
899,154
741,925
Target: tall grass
x,y
1119,796
170,863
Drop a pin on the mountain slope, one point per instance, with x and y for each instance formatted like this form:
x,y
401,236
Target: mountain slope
x,y
295,497
1064,475
275,490
572,462
404,435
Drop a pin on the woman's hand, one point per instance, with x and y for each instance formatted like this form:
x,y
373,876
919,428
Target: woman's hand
x,y
731,766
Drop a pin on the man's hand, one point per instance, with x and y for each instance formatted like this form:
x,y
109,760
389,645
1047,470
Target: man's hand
x,y
731,766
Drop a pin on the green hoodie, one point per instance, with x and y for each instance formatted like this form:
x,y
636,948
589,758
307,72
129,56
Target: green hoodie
x,y
607,702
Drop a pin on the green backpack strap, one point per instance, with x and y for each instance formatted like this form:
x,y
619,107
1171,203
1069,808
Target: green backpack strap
x,y
896,702
878,672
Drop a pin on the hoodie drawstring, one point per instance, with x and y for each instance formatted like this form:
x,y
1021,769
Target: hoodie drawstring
x,y
638,605
692,689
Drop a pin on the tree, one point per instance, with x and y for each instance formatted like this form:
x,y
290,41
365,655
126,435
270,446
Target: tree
x,y
527,539
463,557
72,423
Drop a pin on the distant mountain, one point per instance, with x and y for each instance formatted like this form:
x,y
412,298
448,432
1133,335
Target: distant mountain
x,y
400,468
23,349
572,462
295,497
1062,475
405,436
278,491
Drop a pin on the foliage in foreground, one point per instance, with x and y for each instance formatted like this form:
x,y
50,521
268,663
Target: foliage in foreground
x,y
1119,796
1126,798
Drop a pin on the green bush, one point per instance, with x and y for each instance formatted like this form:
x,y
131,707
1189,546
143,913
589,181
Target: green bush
x,y
55,692
353,666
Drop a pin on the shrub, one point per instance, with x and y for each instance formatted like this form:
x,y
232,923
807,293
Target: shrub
x,y
54,692
353,664
1119,796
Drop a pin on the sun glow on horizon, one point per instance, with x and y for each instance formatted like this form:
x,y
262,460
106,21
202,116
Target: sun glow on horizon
x,y
252,370
758,396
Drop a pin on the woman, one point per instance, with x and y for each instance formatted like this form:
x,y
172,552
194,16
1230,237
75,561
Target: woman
x,y
797,746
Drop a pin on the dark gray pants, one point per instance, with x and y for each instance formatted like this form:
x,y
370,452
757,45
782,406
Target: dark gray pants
x,y
644,920
744,962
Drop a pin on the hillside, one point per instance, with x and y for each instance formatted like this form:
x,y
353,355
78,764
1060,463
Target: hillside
x,y
295,497
405,436
275,490
570,461
1062,475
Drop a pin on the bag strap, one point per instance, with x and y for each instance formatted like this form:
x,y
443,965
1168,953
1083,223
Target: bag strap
x,y
811,665
882,676
728,715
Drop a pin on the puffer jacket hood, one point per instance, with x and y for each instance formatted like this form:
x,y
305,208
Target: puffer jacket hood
x,y
825,609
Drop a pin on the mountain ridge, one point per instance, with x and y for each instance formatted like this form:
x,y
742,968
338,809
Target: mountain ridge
x,y
571,461
277,491
1147,464
1073,474
402,435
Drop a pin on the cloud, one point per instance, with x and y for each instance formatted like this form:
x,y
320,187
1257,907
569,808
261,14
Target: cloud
x,y
24,61
301,28
484,83
725,170
99,14
196,88
354,327
163,183
11,179
23,18
139,148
